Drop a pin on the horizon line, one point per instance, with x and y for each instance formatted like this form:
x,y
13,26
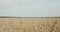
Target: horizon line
x,y
26,17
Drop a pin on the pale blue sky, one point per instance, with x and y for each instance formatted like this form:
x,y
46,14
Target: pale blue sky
x,y
30,8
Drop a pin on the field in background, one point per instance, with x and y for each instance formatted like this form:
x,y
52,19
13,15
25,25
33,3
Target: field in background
x,y
29,24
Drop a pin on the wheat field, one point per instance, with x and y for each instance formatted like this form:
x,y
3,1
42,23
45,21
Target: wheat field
x,y
29,24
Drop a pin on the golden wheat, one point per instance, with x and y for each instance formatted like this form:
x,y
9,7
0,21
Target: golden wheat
x,y
29,24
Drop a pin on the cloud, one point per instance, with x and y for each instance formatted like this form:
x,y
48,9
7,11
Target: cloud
x,y
24,0
8,2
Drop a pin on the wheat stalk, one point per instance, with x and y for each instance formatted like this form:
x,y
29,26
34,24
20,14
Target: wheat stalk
x,y
21,20
52,28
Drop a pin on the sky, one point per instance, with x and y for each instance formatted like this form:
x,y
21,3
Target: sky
x,y
30,8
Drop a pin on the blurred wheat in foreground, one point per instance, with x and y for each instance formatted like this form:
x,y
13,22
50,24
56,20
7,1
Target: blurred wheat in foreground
x,y
29,24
